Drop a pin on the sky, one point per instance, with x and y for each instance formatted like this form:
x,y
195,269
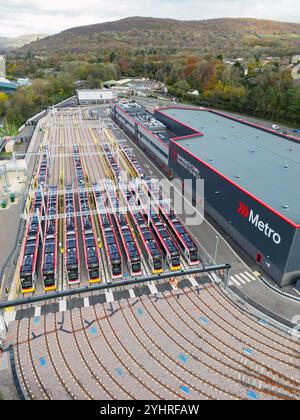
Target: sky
x,y
19,17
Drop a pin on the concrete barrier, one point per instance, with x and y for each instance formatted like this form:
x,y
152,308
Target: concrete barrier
x,y
9,225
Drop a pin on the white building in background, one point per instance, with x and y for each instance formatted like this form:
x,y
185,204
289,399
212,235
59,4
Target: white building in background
x,y
296,72
2,330
23,81
2,66
296,59
194,92
96,96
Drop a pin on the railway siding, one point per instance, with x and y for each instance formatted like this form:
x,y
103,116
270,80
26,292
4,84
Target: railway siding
x,y
148,342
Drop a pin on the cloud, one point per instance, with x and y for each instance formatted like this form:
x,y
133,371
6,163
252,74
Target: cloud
x,y
18,17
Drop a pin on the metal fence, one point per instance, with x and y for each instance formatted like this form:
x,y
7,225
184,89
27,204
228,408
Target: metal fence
x,y
115,285
7,272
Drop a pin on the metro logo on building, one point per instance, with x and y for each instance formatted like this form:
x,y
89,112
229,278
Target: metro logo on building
x,y
255,220
243,210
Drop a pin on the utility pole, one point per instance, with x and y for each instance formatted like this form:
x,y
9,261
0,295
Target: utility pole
x,y
149,210
6,180
16,166
43,196
48,159
227,272
3,329
216,250
40,225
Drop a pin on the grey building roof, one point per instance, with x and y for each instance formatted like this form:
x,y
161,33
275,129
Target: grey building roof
x,y
26,132
147,120
264,164
6,84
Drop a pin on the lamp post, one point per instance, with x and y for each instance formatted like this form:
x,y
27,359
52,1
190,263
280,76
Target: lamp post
x,y
217,247
6,179
227,272
16,165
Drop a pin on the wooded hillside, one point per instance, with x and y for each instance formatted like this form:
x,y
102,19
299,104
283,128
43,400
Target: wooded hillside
x,y
230,36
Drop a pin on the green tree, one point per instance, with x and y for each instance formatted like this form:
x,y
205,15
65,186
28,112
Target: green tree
x,y
3,100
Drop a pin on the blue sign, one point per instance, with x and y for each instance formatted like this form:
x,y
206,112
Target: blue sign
x,y
42,361
120,372
185,389
36,320
248,352
204,320
251,394
183,358
139,311
93,331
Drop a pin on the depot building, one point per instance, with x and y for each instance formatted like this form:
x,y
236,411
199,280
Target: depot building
x,y
251,174
252,182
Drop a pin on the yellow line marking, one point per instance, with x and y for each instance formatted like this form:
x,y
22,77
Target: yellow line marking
x,y
16,286
50,289
95,281
157,271
25,292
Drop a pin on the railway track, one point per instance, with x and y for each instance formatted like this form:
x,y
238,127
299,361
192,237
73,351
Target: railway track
x,y
288,364
110,379
218,314
39,387
226,373
61,377
227,351
140,383
241,315
20,367
154,347
146,375
210,305
166,359
244,336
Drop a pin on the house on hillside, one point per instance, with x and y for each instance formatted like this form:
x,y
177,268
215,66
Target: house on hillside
x,y
296,59
194,92
116,83
233,61
2,66
23,81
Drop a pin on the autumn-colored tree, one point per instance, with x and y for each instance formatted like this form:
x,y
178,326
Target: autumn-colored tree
x,y
191,65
